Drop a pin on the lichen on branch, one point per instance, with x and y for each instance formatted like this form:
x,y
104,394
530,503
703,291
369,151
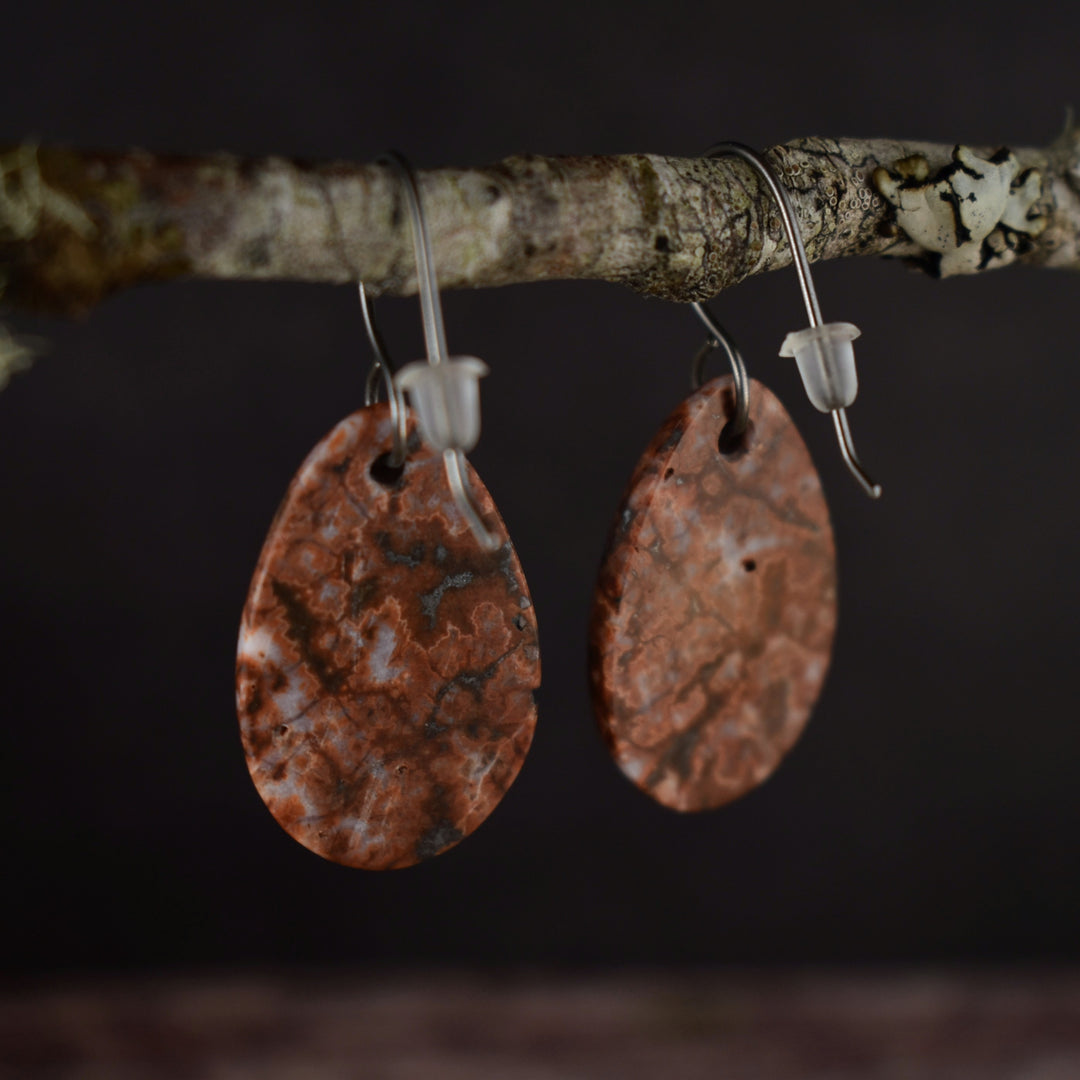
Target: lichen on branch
x,y
76,225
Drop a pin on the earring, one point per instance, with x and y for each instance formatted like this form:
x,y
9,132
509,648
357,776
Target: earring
x,y
715,609
388,649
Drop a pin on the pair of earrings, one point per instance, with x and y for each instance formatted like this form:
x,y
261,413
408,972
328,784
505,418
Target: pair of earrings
x,y
388,651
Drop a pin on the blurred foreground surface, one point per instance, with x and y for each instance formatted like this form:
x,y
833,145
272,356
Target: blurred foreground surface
x,y
931,1026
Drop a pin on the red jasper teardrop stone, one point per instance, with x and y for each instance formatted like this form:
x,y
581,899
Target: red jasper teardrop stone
x,y
387,663
716,605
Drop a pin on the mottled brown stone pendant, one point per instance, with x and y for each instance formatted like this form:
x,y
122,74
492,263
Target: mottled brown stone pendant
x,y
387,662
716,604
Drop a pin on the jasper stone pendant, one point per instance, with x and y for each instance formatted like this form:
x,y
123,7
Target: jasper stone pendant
x,y
716,605
387,662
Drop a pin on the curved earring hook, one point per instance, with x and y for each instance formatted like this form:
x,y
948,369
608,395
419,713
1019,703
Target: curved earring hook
x,y
435,340
721,339
787,215
430,304
383,367
806,284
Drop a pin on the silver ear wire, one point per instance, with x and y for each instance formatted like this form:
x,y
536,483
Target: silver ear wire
x,y
721,339
444,390
384,370
823,351
430,305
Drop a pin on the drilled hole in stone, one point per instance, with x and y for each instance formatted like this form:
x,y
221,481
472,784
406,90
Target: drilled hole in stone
x,y
669,474
733,446
401,770
749,565
383,472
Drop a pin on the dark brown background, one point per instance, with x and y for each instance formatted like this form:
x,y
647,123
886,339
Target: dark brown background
x,y
930,813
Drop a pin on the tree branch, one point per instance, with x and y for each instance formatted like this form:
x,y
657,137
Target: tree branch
x,y
76,225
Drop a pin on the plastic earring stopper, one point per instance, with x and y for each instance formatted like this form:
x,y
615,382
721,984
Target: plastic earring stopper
x,y
826,362
446,397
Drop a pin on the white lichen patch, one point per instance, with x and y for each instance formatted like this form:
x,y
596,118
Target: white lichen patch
x,y
25,198
972,214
